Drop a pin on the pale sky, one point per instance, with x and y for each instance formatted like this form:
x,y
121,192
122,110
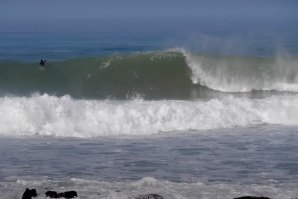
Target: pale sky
x,y
145,15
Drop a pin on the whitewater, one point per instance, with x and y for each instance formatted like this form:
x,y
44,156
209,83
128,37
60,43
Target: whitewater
x,y
64,116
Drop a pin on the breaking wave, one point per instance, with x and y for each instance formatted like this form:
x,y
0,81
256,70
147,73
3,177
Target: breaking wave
x,y
173,74
243,74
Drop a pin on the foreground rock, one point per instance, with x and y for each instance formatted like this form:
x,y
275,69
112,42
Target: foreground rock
x,y
29,193
149,196
67,194
251,197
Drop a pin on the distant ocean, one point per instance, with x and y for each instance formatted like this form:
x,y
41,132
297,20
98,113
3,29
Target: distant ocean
x,y
119,115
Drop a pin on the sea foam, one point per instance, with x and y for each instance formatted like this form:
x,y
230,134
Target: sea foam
x,y
65,116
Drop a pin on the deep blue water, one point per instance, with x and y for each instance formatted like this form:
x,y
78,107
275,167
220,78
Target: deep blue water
x,y
55,46
60,46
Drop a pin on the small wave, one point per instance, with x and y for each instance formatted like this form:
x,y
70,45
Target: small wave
x,y
64,116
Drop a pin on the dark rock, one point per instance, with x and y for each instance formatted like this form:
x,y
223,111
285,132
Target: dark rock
x,y
60,195
51,194
70,194
149,196
251,197
67,194
29,193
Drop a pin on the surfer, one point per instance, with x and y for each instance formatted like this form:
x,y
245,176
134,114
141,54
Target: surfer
x,y
42,62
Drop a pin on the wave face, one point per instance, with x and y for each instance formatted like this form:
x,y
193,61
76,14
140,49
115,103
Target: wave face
x,y
65,116
153,75
175,74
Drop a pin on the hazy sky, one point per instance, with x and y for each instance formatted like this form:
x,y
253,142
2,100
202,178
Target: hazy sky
x,y
147,15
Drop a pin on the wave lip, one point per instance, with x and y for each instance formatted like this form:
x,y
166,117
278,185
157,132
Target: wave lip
x,y
64,116
243,74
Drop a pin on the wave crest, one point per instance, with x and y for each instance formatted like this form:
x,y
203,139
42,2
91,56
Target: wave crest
x,y
243,74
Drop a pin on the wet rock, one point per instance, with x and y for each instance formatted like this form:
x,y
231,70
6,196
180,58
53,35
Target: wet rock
x,y
149,196
67,194
251,197
51,194
29,193
70,194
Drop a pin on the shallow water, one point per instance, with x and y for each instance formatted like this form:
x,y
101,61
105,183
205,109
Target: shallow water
x,y
216,162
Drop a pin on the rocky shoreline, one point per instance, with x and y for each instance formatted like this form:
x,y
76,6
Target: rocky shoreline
x,y
31,193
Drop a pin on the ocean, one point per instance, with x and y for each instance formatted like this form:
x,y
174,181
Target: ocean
x,y
119,115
